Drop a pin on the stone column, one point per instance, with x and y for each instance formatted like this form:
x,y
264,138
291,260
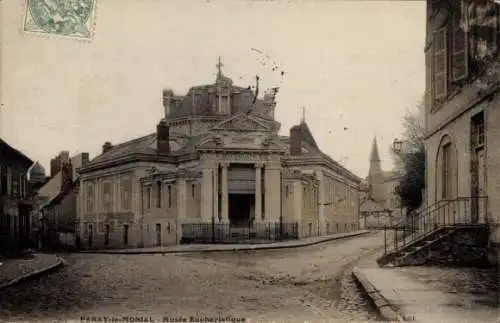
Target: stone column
x,y
258,192
321,203
181,207
272,181
224,193
206,194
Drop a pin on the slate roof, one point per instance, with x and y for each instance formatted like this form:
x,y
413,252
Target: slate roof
x,y
197,101
4,146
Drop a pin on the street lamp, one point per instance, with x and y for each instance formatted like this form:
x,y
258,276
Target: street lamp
x,y
397,146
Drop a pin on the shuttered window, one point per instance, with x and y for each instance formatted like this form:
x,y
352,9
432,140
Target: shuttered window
x,y
459,55
440,63
428,80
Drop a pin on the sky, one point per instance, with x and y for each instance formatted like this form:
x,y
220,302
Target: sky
x,y
357,65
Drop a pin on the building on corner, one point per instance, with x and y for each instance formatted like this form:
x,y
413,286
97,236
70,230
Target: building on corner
x,y
462,115
215,169
15,199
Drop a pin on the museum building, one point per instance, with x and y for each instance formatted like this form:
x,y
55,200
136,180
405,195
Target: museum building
x,y
215,170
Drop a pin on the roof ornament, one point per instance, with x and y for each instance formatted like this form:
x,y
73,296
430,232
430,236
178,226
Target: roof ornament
x,y
219,69
303,114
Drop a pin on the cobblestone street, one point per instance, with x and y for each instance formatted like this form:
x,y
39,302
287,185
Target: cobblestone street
x,y
311,283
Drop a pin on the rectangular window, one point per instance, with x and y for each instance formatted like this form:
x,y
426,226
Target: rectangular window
x,y
90,198
193,187
169,196
126,192
446,174
158,194
477,130
440,63
107,197
148,197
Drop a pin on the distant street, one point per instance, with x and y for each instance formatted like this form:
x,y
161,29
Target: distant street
x,y
296,285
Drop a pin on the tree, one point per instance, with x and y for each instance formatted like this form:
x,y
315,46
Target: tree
x,y
412,159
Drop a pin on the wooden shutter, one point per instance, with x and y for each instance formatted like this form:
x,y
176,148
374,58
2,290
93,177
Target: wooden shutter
x,y
428,80
459,56
440,63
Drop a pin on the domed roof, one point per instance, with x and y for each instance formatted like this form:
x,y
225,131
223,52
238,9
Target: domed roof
x,y
37,169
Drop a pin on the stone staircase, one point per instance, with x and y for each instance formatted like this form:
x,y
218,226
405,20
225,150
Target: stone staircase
x,y
439,233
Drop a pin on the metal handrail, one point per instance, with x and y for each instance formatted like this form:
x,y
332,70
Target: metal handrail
x,y
445,213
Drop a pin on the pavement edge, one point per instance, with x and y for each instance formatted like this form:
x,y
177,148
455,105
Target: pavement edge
x,y
36,273
385,308
139,252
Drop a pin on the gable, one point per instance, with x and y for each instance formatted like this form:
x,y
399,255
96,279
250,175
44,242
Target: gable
x,y
242,122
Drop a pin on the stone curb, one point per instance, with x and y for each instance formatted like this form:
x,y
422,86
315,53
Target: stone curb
x,y
139,252
34,274
385,307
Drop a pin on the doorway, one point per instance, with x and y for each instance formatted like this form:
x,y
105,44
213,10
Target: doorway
x,y
240,206
91,235
106,235
125,234
158,234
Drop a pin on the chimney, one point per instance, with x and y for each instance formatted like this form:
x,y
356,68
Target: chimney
x,y
295,141
85,159
53,167
67,174
162,138
168,95
57,162
106,147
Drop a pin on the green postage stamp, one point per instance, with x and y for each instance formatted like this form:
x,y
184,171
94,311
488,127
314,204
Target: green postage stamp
x,y
70,18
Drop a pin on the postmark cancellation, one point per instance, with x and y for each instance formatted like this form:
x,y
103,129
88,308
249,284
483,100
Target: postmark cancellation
x,y
67,18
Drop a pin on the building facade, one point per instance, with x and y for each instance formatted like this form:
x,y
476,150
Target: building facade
x,y
15,201
216,163
56,206
462,114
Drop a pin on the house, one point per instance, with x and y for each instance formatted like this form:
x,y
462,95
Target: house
x,y
15,202
216,169
57,201
462,122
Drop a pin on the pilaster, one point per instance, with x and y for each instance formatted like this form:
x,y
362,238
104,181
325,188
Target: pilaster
x,y
224,193
321,202
258,192
216,190
181,207
207,192
272,181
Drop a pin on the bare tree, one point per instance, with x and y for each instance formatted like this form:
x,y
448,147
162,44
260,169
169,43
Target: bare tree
x,y
412,158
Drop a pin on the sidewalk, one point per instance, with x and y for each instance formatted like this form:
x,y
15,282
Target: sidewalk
x,y
431,294
230,247
16,270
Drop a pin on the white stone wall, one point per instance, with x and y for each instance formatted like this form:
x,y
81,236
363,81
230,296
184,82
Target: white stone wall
x,y
459,132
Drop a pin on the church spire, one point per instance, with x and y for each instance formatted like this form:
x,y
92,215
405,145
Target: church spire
x,y
374,157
